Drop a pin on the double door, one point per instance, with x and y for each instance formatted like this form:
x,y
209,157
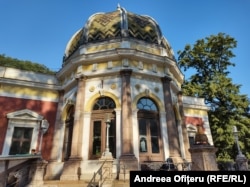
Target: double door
x,y
98,134
150,142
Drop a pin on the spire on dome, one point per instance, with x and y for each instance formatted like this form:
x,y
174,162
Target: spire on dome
x,y
118,6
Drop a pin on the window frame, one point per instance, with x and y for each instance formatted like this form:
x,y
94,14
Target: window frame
x,y
102,108
26,119
100,115
148,111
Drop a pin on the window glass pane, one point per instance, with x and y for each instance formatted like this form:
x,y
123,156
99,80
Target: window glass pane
x,y
97,138
142,127
104,103
143,144
155,145
21,140
153,128
18,132
28,133
14,149
25,147
154,136
146,104
143,135
112,138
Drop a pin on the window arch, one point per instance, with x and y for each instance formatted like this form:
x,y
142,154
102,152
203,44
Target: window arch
x,y
146,104
103,108
149,130
104,103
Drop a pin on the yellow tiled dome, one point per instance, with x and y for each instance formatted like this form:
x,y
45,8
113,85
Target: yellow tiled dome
x,y
118,24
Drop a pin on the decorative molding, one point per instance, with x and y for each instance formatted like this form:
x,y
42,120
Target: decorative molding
x,y
156,89
125,63
110,64
24,114
140,65
154,68
94,67
92,88
79,69
138,86
113,86
101,92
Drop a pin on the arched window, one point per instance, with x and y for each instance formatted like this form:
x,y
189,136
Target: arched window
x,y
149,130
104,103
102,110
69,122
146,104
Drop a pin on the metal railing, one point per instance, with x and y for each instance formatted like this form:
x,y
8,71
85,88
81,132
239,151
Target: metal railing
x,y
95,181
15,170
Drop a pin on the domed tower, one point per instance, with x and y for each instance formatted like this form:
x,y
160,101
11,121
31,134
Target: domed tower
x,y
118,26
121,81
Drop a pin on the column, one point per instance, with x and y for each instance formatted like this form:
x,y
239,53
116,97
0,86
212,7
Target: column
x,y
73,165
76,146
126,113
187,155
127,160
174,148
56,153
58,132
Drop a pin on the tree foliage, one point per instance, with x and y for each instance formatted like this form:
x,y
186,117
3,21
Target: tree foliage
x,y
24,65
210,58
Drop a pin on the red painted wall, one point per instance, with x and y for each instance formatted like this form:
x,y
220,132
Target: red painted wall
x,y
194,121
45,108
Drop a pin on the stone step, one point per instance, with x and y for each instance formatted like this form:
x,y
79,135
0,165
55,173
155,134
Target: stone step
x,y
81,183
59,183
120,183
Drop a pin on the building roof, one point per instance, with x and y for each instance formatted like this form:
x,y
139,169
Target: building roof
x,y
119,24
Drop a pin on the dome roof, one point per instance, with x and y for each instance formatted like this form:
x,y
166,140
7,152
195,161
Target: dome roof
x,y
115,25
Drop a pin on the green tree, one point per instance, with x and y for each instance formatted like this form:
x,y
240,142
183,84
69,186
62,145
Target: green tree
x,y
24,65
210,58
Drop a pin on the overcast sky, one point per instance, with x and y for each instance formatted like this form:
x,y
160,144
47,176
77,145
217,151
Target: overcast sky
x,y
39,30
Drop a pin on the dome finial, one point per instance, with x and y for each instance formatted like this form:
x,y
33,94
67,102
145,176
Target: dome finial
x,y
118,6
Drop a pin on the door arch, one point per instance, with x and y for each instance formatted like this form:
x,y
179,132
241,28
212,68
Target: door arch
x,y
150,141
103,109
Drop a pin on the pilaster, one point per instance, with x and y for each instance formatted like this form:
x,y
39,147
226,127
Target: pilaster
x,y
127,160
174,148
55,164
187,155
72,166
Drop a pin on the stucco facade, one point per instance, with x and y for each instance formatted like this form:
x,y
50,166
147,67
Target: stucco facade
x,y
118,77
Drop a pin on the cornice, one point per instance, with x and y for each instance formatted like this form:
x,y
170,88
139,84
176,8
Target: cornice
x,y
17,82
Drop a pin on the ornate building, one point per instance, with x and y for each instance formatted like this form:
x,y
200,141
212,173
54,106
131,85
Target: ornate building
x,y
117,96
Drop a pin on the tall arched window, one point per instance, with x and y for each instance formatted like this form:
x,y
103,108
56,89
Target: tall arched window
x,y
69,122
102,110
150,142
